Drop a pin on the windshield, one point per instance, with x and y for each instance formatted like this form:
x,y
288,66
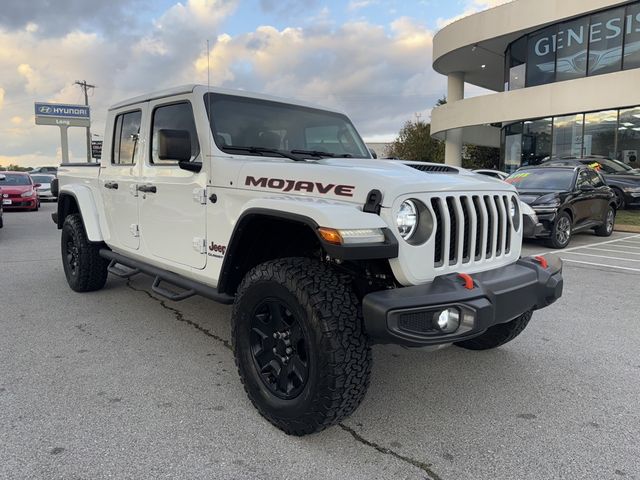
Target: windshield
x,y
240,122
41,178
13,179
542,179
607,165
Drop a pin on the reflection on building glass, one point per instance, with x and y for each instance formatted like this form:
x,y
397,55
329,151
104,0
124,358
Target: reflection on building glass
x,y
612,134
600,133
589,45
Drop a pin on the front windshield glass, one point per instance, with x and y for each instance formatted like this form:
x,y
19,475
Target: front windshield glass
x,y
238,122
607,165
542,179
13,179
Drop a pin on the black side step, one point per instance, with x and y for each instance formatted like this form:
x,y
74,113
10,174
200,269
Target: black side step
x,y
191,287
122,271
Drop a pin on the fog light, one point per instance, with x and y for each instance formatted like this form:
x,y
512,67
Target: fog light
x,y
448,320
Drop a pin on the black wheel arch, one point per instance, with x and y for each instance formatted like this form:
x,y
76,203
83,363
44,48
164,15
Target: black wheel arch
x,y
67,205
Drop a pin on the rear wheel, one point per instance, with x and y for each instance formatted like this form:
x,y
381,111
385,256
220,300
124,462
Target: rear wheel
x,y
620,203
498,334
606,229
84,268
561,232
299,344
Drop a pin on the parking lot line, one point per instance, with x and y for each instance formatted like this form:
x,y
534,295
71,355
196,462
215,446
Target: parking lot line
x,y
603,256
633,245
614,251
595,244
601,265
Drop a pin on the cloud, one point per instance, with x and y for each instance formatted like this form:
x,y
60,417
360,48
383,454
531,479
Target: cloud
x,y
379,74
359,4
472,6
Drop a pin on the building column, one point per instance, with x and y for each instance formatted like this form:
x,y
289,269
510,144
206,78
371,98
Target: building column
x,y
453,140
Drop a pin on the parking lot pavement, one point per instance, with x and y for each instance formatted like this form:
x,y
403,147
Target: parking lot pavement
x,y
118,384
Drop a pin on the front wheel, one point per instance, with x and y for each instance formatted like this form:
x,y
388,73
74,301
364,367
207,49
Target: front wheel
x,y
498,334
560,232
84,268
299,344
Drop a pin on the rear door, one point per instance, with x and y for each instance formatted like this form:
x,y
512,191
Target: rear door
x,y
173,200
119,176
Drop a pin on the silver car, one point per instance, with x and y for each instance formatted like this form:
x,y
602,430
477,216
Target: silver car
x,y
44,190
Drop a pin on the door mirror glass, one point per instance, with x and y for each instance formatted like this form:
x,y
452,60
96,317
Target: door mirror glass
x,y
174,145
190,166
373,153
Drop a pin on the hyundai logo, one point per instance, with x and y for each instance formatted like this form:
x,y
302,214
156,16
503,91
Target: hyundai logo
x,y
45,109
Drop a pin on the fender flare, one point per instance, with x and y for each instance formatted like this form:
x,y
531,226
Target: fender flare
x,y
86,204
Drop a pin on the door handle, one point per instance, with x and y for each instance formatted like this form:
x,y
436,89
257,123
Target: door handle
x,y
111,185
147,188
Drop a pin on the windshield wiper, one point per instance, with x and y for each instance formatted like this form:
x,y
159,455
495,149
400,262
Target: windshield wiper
x,y
320,153
262,150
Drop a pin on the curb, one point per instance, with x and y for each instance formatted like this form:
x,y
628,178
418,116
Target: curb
x,y
627,228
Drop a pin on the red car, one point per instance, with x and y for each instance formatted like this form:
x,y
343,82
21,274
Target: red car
x,y
18,191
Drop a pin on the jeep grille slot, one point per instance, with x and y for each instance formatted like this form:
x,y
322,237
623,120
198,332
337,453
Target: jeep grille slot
x,y
431,168
470,228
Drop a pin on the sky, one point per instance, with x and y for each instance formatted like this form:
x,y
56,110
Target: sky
x,y
370,58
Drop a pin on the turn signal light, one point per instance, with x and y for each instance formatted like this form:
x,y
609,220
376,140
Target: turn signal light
x,y
330,235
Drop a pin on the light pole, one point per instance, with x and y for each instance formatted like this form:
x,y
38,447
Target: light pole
x,y
85,87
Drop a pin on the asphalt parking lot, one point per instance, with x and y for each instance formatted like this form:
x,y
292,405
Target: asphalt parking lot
x,y
118,384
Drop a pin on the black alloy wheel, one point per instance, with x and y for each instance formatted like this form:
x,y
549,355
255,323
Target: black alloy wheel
x,y
561,231
71,256
279,349
620,203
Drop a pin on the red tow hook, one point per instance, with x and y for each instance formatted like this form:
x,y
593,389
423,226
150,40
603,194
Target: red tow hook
x,y
468,281
542,261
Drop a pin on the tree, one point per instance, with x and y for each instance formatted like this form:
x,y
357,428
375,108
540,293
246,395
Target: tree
x,y
475,156
16,168
414,142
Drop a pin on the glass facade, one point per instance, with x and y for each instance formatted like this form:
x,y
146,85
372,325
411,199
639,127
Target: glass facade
x,y
608,133
603,42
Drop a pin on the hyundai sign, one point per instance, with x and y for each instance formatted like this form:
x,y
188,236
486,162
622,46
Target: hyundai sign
x,y
62,115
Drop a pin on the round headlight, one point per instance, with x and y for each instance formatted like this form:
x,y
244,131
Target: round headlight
x,y
407,219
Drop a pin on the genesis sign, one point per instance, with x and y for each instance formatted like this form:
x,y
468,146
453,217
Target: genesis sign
x,y
594,33
63,115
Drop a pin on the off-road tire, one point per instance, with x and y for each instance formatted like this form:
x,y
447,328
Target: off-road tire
x,y
553,240
338,352
498,334
89,270
606,229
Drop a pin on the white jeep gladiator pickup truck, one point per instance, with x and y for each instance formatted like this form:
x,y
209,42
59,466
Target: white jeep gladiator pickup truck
x,y
278,208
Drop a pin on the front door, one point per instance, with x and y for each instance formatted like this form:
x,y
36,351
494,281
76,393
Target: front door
x,y
172,200
119,177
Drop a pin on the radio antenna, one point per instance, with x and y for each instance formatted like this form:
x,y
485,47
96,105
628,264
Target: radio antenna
x,y
209,102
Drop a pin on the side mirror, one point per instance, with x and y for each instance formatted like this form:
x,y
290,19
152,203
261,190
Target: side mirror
x,y
190,166
37,185
373,153
174,145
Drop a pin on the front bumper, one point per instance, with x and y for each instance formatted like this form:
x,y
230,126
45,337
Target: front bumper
x,y
405,316
21,203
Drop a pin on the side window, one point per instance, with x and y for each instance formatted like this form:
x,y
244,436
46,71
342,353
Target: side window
x,y
596,180
178,116
125,138
583,178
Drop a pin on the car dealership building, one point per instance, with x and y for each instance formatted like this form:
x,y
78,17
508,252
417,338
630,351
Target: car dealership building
x,y
566,77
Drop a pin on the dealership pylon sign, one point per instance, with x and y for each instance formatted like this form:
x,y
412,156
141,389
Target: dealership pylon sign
x,y
63,116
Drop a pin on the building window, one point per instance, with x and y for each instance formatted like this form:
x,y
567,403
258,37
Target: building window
x,y
600,133
629,136
605,42
571,44
541,57
513,147
517,66
536,141
632,37
567,136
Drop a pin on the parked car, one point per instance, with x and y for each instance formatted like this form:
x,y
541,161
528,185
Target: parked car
x,y
2,177
623,180
492,173
44,190
566,200
50,170
19,191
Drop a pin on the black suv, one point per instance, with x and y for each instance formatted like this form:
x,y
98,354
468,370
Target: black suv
x,y
566,200
624,180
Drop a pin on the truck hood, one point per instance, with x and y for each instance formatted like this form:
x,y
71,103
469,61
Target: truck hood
x,y
351,179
